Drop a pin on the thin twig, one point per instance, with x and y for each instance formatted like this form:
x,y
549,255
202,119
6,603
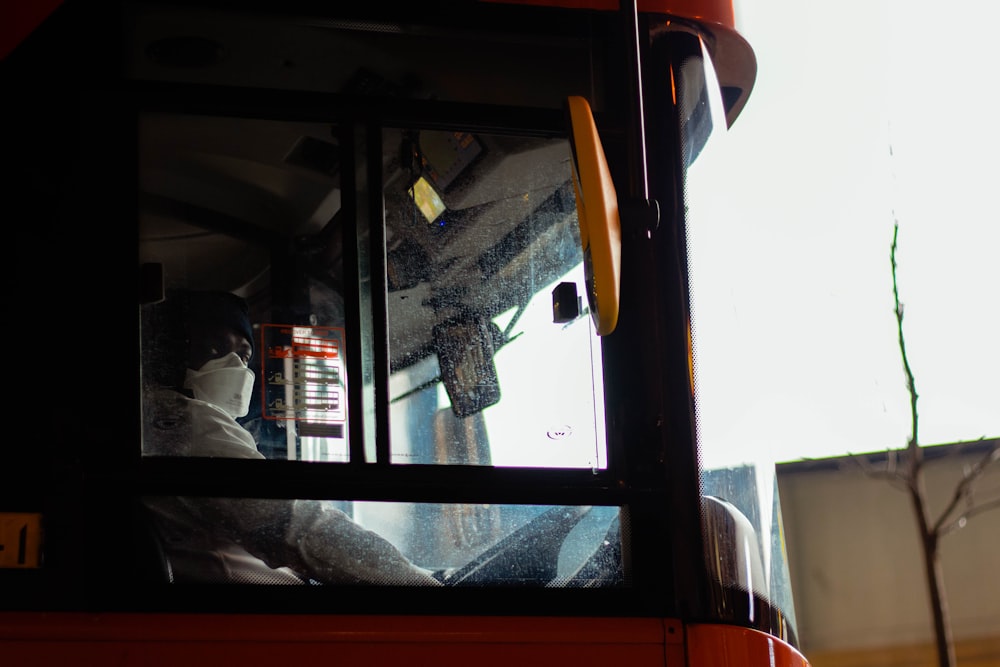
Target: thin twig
x,y
911,386
960,521
963,490
886,472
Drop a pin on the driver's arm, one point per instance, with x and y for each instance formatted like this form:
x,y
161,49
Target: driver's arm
x,y
314,539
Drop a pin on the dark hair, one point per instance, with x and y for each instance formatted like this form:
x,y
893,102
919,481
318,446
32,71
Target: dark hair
x,y
167,329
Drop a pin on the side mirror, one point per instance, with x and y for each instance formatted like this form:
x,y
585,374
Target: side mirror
x,y
597,211
465,354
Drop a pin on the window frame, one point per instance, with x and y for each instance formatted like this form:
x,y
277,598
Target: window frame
x,y
360,131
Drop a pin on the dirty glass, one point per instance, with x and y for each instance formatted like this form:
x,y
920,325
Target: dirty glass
x,y
242,214
267,541
481,245
481,239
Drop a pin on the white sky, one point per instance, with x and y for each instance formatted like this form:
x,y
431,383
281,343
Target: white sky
x,y
796,332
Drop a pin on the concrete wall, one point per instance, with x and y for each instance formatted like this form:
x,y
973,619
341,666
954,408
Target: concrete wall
x,y
856,564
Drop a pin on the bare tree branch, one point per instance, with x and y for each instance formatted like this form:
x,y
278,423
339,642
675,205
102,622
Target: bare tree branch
x,y
904,469
963,491
886,472
929,537
961,520
912,445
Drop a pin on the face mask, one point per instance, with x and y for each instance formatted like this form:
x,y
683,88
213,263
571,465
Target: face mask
x,y
225,382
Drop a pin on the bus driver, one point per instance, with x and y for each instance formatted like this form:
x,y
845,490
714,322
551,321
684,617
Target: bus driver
x,y
197,384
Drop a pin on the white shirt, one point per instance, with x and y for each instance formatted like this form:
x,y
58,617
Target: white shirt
x,y
248,540
176,425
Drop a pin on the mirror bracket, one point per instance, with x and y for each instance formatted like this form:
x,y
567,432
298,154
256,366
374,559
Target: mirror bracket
x,y
640,218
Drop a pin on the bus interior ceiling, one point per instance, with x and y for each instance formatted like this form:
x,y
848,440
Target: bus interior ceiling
x,y
251,188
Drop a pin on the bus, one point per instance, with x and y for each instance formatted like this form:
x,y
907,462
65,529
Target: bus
x,y
452,416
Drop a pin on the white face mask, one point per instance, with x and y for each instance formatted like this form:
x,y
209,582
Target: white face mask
x,y
225,382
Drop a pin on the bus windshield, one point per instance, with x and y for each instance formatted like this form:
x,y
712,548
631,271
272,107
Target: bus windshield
x,y
482,373
744,547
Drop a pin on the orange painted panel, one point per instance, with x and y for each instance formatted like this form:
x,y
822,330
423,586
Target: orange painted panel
x,y
251,654
192,640
711,11
733,646
249,640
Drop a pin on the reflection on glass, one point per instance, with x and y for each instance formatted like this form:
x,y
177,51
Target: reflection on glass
x,y
305,387
250,208
480,372
741,512
427,200
268,541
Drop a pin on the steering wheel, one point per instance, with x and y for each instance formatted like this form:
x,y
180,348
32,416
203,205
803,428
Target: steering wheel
x,y
529,556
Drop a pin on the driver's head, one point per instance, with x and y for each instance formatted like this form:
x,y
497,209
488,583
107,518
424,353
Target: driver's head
x,y
191,328
215,324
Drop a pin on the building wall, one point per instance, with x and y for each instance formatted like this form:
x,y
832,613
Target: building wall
x,y
857,568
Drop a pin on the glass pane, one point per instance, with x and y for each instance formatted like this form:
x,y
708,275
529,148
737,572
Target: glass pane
x,y
266,541
240,229
741,510
480,232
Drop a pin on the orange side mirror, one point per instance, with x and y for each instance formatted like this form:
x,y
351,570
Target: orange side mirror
x,y
597,211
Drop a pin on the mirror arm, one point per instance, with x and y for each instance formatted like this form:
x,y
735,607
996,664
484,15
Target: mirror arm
x,y
640,218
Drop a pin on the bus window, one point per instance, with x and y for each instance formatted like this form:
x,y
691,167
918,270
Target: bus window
x,y
386,543
480,230
247,352
744,550
250,207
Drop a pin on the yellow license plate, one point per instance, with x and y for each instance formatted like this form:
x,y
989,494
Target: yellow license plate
x,y
20,540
